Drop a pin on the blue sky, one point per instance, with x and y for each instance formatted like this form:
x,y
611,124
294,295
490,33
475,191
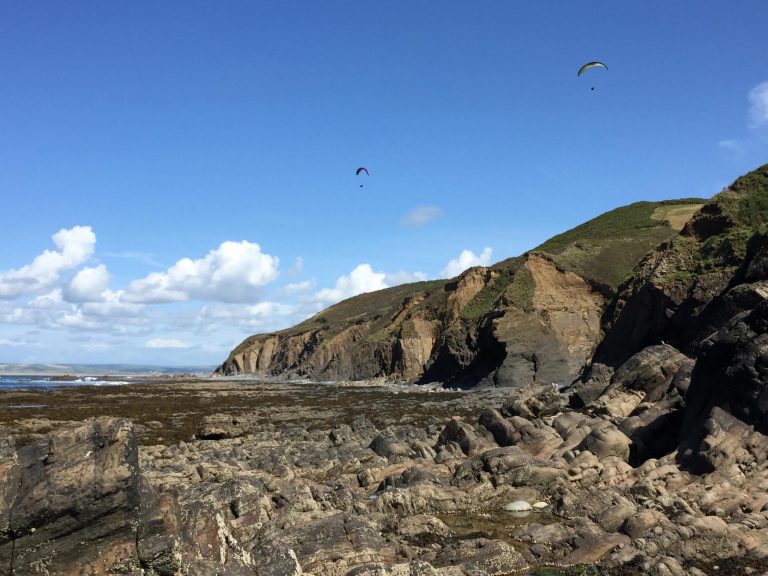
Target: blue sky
x,y
176,176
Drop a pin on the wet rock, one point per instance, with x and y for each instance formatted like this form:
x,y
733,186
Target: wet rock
x,y
220,426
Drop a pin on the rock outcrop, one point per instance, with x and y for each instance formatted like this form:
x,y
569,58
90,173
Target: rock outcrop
x,y
70,501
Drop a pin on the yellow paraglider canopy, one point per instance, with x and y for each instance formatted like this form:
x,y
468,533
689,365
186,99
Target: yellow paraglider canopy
x,y
589,65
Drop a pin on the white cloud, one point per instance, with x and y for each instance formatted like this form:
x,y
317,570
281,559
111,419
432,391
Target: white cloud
x,y
88,285
245,314
12,342
467,259
297,288
166,343
232,273
758,105
361,279
403,277
297,268
73,247
112,305
420,216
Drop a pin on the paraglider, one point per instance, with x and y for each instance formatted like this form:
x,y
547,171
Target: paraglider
x,y
362,169
589,65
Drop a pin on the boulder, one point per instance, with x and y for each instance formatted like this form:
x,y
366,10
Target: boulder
x,y
463,434
606,440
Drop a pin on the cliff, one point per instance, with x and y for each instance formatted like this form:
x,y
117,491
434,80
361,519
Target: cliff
x,y
669,294
533,318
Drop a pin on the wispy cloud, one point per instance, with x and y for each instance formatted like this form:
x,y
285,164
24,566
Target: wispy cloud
x,y
730,145
295,288
421,215
148,258
757,125
758,105
166,343
13,342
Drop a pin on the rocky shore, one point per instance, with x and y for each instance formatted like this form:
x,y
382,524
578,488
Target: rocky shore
x,y
513,481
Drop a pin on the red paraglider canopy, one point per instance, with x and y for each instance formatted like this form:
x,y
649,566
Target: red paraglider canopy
x,y
362,169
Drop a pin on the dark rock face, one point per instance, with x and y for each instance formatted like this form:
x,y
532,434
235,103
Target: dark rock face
x,y
731,373
73,502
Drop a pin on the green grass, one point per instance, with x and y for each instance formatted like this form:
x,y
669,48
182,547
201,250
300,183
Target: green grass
x,y
519,293
606,248
377,306
717,241
487,298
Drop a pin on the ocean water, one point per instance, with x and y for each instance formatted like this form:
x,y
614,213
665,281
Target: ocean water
x,y
11,382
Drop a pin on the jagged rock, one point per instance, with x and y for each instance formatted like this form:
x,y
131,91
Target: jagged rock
x,y
490,557
409,477
276,561
732,373
74,505
10,476
647,376
594,381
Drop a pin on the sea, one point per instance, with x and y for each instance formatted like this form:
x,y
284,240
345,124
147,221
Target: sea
x,y
14,382
48,376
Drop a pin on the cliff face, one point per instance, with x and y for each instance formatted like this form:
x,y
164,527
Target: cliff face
x,y
534,318
547,337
